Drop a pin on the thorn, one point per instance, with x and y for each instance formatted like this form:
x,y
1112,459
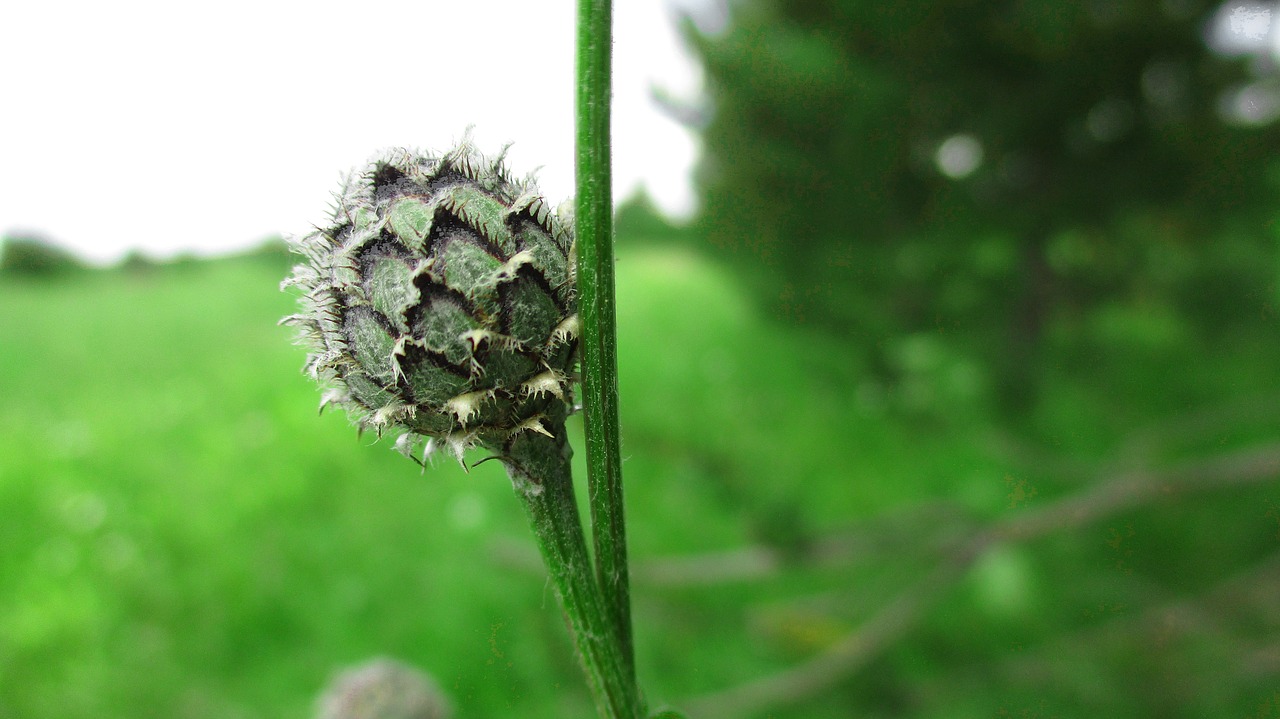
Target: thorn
x,y
467,405
389,414
475,338
567,329
499,341
543,383
533,424
458,444
405,444
398,351
333,396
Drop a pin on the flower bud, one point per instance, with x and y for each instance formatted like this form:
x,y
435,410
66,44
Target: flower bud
x,y
440,298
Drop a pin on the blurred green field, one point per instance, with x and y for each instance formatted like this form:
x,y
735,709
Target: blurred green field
x,y
181,536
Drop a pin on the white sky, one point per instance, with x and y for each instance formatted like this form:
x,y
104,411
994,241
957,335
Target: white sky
x,y
171,126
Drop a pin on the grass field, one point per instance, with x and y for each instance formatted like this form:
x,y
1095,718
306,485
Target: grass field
x,y
181,536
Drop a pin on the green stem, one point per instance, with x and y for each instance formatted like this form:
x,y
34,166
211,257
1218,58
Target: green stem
x,y
539,469
594,219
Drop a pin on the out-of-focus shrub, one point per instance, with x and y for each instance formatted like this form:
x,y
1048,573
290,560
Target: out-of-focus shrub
x,y
36,256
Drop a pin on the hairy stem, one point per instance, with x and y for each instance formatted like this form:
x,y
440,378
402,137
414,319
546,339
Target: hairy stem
x,y
539,469
594,219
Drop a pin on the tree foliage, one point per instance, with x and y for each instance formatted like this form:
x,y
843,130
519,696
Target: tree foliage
x,y
35,256
1006,172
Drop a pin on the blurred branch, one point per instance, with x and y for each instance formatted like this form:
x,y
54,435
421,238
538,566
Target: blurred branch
x,y
848,655
902,532
897,533
1207,614
843,658
1131,489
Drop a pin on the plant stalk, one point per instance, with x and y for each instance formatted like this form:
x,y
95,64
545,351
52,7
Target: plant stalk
x,y
594,219
540,471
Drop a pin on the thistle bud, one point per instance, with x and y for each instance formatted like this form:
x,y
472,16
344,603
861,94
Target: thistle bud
x,y
440,298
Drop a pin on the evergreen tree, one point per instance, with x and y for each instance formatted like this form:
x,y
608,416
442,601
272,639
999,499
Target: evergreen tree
x,y
994,168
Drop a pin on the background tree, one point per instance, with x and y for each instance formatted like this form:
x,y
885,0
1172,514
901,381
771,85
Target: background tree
x,y
1002,173
34,255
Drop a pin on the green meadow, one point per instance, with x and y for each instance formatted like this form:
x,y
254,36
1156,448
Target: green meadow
x,y
181,535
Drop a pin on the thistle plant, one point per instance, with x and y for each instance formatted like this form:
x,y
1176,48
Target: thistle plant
x,y
440,300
